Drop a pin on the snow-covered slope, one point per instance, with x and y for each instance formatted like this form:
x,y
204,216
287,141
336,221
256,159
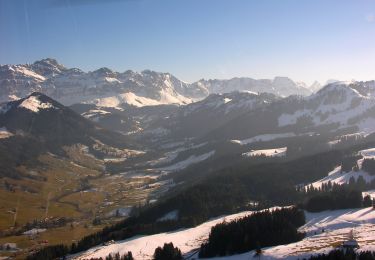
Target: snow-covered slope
x,y
339,177
187,162
348,107
40,117
34,104
263,138
341,103
229,103
143,247
274,152
315,86
281,86
335,224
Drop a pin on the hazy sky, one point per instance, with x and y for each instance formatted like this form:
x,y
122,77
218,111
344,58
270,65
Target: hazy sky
x,y
193,39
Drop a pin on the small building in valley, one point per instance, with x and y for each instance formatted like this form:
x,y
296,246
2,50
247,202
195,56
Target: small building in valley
x,y
350,244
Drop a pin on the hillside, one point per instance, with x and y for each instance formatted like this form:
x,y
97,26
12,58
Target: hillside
x,y
336,225
338,108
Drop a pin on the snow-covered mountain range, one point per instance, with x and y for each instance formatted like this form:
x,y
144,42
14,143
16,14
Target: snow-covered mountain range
x,y
338,106
108,88
281,86
345,107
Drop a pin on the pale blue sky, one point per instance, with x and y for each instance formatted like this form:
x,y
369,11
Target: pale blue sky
x,y
193,39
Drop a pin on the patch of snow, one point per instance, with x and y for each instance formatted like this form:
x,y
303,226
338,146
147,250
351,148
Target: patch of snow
x,y
353,135
173,215
250,92
134,99
115,160
120,212
170,156
263,138
13,97
338,177
226,100
4,133
33,104
334,142
29,73
112,80
369,192
368,153
169,96
34,231
95,112
273,152
335,219
185,163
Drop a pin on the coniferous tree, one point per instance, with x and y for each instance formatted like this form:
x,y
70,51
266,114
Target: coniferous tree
x,y
367,201
167,252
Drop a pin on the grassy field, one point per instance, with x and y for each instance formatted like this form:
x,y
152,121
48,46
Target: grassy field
x,y
69,190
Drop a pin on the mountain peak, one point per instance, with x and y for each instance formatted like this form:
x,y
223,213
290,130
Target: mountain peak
x,y
104,71
35,102
49,63
347,88
48,67
283,81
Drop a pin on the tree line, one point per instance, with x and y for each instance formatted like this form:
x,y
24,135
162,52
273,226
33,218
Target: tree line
x,y
334,196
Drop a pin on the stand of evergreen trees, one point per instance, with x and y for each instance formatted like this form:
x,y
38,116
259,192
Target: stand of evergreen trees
x,y
167,252
50,252
261,229
116,256
349,163
368,165
336,197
